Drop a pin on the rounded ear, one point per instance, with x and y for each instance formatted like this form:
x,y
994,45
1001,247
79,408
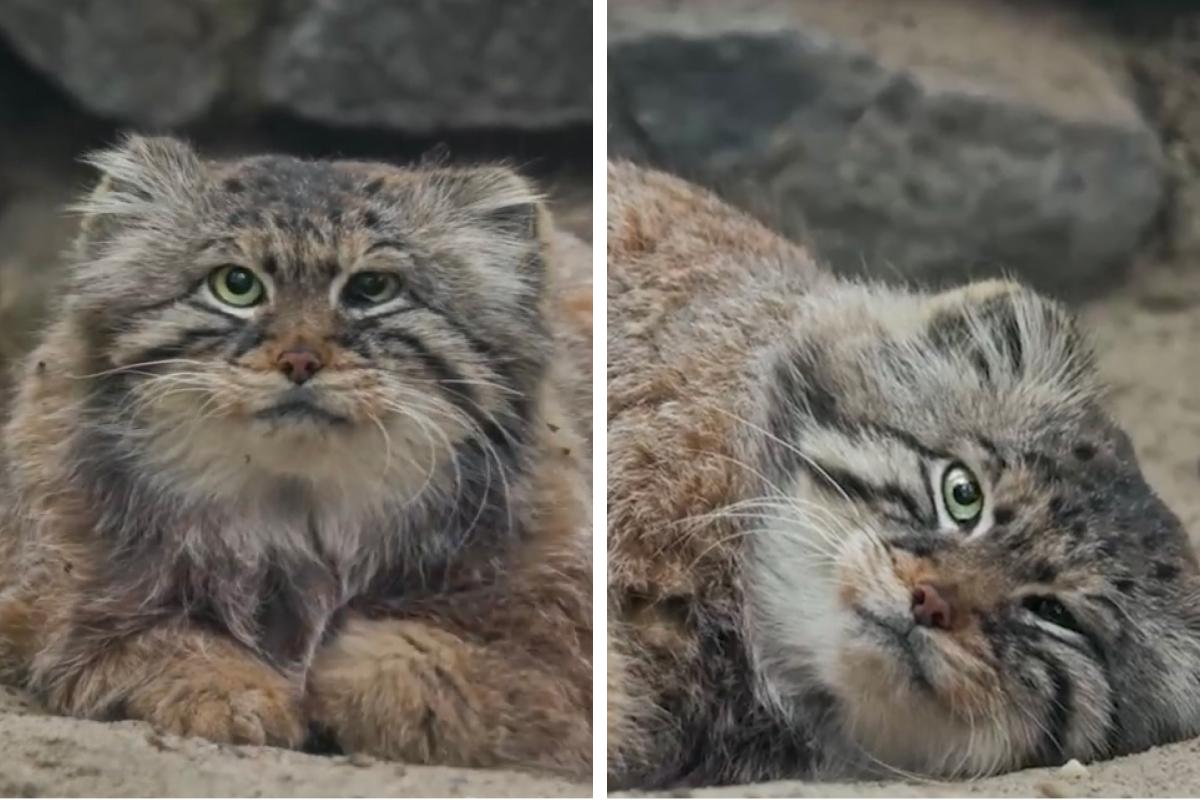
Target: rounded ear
x,y
976,294
507,207
143,180
499,198
1011,331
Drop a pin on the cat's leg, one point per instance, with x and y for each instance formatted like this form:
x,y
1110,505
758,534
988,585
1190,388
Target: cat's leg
x,y
179,678
411,691
499,680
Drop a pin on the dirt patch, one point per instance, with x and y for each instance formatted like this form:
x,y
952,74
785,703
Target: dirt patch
x,y
59,757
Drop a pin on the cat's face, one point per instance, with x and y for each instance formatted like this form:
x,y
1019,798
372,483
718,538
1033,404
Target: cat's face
x,y
959,546
341,322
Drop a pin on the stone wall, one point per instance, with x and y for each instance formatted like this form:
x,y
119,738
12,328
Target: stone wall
x,y
415,66
929,140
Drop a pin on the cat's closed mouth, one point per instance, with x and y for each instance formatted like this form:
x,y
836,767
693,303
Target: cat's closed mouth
x,y
297,408
901,637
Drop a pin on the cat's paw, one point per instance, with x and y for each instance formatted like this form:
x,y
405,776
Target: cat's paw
x,y
388,688
224,701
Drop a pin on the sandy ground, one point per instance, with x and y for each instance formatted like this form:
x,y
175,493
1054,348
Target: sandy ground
x,y
1172,771
44,756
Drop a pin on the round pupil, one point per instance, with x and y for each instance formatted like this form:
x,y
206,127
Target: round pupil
x,y
965,493
239,281
371,284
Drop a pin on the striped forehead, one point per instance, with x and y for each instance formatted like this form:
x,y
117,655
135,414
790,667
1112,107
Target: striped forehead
x,y
279,183
299,197
307,259
299,222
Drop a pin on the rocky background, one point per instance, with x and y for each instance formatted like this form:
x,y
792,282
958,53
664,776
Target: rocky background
x,y
469,80
926,139
934,141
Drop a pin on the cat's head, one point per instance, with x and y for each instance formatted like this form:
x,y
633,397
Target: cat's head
x,y
958,544
343,322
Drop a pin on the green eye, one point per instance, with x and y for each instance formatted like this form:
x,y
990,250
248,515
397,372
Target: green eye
x,y
370,288
236,286
962,495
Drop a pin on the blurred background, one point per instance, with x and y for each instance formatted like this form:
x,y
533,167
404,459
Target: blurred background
x,y
470,79
933,141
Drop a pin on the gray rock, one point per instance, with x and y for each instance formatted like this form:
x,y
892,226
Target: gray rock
x,y
428,64
146,61
886,169
416,66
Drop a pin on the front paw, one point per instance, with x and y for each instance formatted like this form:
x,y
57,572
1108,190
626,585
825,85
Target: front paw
x,y
383,688
223,701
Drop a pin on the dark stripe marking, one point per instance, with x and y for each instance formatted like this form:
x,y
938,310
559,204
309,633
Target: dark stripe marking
x,y
864,490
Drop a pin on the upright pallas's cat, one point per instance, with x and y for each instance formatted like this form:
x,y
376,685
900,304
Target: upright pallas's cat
x,y
294,453
855,528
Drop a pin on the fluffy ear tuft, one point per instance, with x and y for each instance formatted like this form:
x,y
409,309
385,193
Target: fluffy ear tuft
x,y
977,294
1010,330
140,179
500,198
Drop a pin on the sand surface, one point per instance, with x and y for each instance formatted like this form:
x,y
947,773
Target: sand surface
x,y
44,756
1172,771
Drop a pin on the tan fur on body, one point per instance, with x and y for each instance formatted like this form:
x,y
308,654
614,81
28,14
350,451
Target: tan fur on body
x,y
776,439
392,577
684,314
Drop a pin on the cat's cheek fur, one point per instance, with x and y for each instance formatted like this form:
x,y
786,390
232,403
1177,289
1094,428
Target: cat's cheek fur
x,y
809,634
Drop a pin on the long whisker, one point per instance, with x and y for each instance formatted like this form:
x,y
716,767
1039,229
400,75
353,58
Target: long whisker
x,y
137,366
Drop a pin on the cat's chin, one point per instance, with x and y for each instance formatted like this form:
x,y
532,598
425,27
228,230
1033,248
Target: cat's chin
x,y
847,631
916,698
248,454
300,416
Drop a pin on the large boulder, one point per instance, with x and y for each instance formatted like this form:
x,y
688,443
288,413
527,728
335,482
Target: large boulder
x,y
928,140
434,63
415,66
145,61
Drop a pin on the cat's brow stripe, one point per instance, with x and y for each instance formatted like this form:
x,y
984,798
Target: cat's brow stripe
x,y
992,450
863,489
169,302
387,244
820,401
905,438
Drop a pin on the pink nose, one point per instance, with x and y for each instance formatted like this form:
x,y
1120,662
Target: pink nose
x,y
931,606
299,365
